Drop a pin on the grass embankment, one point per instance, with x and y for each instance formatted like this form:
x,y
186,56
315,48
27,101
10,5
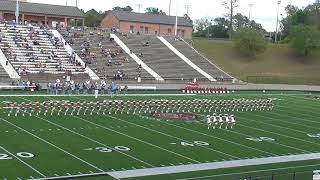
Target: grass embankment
x,y
276,65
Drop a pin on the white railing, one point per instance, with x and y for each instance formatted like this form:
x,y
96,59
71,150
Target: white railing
x,y
69,49
136,58
185,59
8,67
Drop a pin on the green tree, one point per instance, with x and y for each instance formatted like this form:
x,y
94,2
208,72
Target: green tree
x,y
249,41
127,8
153,10
231,6
304,39
93,18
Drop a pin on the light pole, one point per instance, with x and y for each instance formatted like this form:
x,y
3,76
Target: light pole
x,y
250,7
208,31
139,7
187,7
176,25
276,37
17,12
169,7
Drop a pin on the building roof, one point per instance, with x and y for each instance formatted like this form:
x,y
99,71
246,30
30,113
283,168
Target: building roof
x,y
44,9
150,18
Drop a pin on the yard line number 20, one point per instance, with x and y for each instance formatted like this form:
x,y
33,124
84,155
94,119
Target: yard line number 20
x,y
20,154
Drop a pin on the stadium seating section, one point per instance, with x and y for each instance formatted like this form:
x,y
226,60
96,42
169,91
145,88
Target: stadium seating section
x,y
159,58
198,59
34,52
99,46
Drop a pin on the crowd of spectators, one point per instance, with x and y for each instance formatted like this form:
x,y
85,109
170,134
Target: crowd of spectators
x,y
70,87
31,41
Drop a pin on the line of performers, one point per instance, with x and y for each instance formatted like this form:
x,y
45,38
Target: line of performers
x,y
136,107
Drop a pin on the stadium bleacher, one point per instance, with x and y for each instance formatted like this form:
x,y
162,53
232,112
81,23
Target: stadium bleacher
x,y
33,51
3,74
98,56
159,57
198,59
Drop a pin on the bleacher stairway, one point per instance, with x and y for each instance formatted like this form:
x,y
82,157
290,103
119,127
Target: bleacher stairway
x,y
198,59
33,63
160,58
99,62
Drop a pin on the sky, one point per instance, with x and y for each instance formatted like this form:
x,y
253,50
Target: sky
x,y
263,11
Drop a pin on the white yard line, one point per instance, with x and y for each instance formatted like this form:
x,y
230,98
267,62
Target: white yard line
x,y
212,166
55,146
285,121
282,127
200,167
271,132
159,132
269,142
248,172
165,134
90,139
34,169
139,140
215,137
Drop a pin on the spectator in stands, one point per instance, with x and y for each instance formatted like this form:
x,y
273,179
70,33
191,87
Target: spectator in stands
x,y
36,43
140,55
146,44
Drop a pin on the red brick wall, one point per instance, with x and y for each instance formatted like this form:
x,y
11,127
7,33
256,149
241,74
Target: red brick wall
x,y
161,30
151,28
110,21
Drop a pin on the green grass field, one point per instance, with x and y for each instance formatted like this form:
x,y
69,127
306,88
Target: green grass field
x,y
277,65
54,146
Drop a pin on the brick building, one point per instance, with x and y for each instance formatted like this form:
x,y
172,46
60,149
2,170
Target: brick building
x,y
41,13
147,24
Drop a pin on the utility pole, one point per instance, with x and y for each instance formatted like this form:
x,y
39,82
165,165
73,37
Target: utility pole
x,y
17,12
66,2
176,25
139,7
276,37
76,3
187,7
169,7
250,7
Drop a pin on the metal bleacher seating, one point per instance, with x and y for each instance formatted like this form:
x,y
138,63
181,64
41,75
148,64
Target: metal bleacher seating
x,y
35,53
198,59
159,57
98,56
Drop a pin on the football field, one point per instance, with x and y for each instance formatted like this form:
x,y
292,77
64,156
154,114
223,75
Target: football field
x,y
114,145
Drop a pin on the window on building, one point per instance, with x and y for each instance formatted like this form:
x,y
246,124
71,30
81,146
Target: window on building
x,y
169,30
146,30
182,33
131,28
156,32
141,29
